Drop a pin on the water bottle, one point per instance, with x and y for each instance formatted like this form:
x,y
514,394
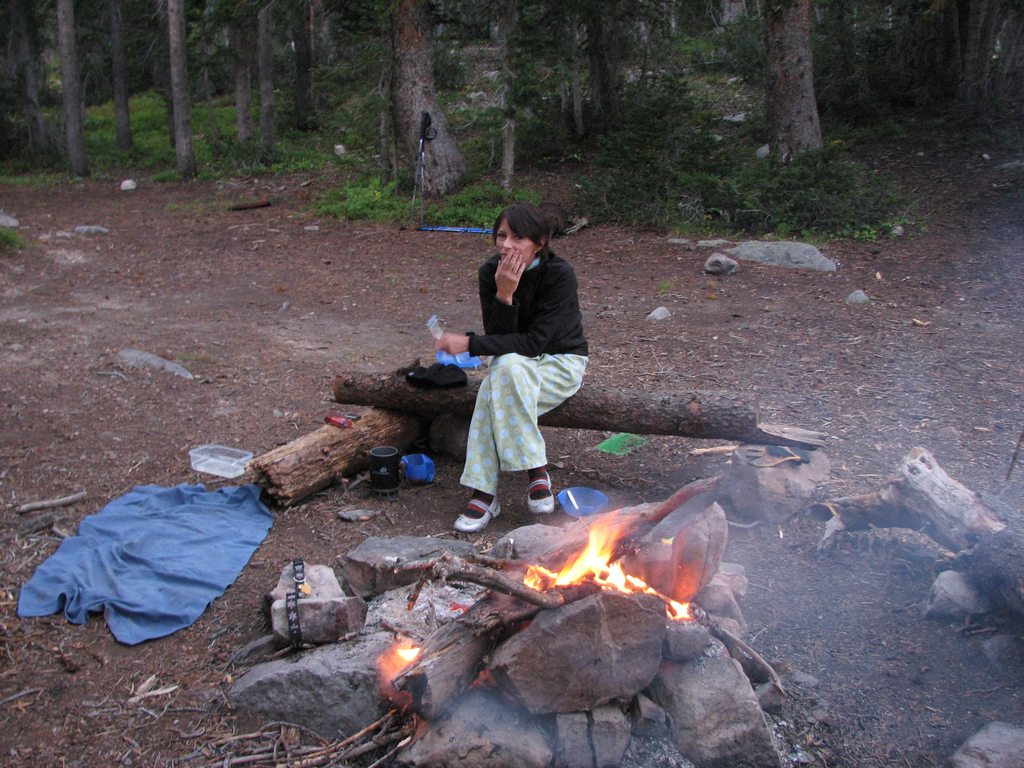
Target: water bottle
x,y
435,327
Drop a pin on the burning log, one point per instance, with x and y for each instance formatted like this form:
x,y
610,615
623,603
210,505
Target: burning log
x,y
629,521
720,415
920,496
304,466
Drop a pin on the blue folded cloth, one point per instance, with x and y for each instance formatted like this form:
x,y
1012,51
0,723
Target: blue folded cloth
x,y
151,560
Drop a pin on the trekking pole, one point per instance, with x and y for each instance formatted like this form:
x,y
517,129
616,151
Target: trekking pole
x,y
426,134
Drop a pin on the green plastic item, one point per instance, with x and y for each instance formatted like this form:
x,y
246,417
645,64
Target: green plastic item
x,y
621,444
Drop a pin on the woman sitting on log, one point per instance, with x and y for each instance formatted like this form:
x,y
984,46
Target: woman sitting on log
x,y
533,331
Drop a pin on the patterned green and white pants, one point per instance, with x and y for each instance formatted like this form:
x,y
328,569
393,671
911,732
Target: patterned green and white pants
x,y
503,434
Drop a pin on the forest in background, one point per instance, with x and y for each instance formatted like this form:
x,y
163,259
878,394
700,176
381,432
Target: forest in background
x,y
676,113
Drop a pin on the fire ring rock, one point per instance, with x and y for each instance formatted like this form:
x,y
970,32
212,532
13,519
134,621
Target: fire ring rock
x,y
584,654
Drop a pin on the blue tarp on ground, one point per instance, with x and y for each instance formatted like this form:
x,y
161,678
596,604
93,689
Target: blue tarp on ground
x,y
151,560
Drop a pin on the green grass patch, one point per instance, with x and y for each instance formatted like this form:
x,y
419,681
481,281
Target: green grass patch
x,y
10,240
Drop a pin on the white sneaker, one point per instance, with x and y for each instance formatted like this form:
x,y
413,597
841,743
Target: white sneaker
x,y
467,524
543,506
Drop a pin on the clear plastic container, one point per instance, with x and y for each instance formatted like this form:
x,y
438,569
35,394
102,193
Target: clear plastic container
x,y
219,460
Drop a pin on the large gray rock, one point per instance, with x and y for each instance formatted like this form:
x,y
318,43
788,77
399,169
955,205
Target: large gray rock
x,y
783,254
584,654
609,735
373,567
953,597
997,745
483,731
572,741
528,542
716,719
333,690
321,619
685,640
321,581
758,485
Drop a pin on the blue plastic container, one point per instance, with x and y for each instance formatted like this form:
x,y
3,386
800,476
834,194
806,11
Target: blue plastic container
x,y
419,468
580,501
462,360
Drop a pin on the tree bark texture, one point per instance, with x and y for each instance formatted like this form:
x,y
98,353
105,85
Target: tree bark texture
x,y
302,39
265,65
507,102
242,39
604,52
718,415
71,88
119,76
161,64
184,156
42,136
304,466
413,94
791,109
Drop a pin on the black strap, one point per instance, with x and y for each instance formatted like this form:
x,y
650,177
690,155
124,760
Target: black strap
x,y
291,612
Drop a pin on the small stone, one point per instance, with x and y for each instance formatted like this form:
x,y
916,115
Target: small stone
x,y
91,229
339,150
720,264
9,222
858,297
357,515
128,185
661,313
763,151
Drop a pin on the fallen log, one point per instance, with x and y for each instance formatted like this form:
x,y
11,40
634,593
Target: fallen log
x,y
921,496
717,415
293,471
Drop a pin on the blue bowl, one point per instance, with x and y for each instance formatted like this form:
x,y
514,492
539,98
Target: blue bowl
x,y
580,501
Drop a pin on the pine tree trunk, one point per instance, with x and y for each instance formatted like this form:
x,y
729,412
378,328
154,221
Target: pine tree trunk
x,y
603,47
119,76
161,65
413,94
42,136
241,49
792,112
184,157
71,88
508,131
302,39
265,64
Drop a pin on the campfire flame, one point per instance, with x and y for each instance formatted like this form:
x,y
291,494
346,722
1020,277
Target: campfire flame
x,y
400,655
595,564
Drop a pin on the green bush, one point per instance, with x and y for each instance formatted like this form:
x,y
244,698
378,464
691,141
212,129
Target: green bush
x,y
476,206
10,240
365,200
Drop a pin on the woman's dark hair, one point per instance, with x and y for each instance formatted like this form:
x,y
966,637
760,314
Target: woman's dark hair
x,y
537,222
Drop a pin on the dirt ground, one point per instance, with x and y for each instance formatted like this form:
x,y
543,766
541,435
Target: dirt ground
x,y
265,306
